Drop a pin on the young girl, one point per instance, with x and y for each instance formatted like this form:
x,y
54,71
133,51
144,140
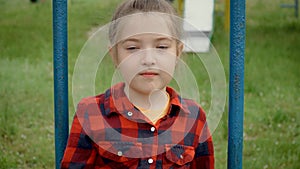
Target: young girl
x,y
141,123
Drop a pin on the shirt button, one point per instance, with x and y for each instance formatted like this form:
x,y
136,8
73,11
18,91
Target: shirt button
x,y
129,113
152,129
120,153
181,156
150,160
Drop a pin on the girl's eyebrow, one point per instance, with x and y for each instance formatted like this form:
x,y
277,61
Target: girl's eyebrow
x,y
164,38
130,39
137,40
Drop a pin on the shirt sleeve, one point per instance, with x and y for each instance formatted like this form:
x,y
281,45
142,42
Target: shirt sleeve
x,y
79,152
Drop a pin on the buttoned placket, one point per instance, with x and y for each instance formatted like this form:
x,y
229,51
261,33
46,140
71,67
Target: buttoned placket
x,y
153,129
151,160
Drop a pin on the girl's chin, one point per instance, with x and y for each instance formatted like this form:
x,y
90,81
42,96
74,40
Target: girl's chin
x,y
145,90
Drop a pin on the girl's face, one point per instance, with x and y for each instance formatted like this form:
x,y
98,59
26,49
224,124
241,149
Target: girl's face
x,y
146,59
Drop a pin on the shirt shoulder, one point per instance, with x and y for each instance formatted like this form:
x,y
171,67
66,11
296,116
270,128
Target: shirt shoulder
x,y
90,106
92,100
194,108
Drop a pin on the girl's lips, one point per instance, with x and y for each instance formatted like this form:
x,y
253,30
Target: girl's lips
x,y
148,74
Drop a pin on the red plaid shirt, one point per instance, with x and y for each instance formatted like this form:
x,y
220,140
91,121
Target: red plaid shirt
x,y
109,132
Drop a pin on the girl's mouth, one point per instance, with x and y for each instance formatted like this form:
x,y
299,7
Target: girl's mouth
x,y
148,74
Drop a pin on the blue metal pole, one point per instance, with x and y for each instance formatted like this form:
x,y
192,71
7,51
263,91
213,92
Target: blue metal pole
x,y
60,64
236,84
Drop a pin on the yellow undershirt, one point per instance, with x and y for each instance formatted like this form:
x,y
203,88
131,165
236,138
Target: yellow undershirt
x,y
155,115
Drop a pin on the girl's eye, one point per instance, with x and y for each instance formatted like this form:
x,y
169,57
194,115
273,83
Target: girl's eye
x,y
131,48
162,47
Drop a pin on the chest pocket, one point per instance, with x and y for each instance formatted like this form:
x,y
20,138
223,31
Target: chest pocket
x,y
178,156
119,154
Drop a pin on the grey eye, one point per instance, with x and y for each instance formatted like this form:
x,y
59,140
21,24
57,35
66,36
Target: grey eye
x,y
162,47
131,48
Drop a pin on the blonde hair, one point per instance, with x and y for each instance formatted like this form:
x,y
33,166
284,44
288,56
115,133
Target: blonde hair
x,y
130,7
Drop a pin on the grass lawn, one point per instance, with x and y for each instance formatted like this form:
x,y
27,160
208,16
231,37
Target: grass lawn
x,y
272,81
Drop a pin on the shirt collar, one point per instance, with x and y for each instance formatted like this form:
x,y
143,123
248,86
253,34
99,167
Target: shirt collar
x,y
116,101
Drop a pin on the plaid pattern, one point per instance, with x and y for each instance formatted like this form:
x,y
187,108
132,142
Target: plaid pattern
x,y
108,132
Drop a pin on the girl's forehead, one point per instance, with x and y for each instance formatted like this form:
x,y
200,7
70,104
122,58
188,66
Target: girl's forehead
x,y
143,24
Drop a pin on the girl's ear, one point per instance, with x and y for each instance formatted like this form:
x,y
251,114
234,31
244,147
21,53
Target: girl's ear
x,y
179,48
114,55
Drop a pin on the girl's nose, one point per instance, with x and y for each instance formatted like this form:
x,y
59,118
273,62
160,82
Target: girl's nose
x,y
149,57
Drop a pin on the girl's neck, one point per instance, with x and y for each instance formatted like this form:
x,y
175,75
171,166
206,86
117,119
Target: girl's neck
x,y
156,100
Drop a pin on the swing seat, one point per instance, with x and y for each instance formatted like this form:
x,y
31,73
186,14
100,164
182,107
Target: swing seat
x,y
198,25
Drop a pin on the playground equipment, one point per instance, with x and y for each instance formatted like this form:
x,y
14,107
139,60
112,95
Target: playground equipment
x,y
199,14
295,6
236,84
236,80
60,68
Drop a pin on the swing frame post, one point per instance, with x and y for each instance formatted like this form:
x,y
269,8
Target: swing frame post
x,y
236,80
236,84
60,70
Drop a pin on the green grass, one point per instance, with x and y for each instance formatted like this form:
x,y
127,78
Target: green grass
x,y
272,81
